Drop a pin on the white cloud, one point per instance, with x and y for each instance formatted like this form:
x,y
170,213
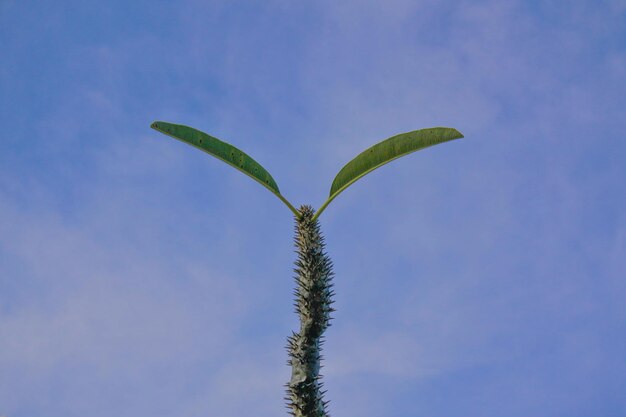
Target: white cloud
x,y
96,313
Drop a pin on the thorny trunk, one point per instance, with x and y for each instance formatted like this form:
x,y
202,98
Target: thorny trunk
x,y
313,305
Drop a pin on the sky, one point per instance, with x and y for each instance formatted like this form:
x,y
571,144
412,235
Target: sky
x,y
480,277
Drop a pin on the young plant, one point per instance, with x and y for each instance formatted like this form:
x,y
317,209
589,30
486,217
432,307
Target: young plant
x,y
313,267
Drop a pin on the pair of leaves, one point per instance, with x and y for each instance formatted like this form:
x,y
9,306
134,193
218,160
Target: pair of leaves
x,y
367,161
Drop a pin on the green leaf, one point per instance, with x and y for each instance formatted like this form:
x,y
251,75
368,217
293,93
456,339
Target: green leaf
x,y
225,152
385,152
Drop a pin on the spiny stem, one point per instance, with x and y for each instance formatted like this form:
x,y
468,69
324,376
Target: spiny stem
x,y
313,305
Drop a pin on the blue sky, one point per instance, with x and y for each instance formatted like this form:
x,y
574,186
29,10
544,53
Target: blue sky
x,y
481,277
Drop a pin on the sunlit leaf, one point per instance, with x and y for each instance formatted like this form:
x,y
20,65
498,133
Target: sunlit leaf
x,y
385,152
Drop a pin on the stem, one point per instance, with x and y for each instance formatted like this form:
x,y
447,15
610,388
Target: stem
x,y
288,204
313,305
